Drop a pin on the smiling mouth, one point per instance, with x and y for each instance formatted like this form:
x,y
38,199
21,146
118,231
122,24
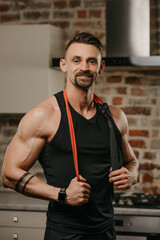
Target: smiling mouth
x,y
83,76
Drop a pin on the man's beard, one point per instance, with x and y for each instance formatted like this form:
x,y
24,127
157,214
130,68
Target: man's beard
x,y
86,83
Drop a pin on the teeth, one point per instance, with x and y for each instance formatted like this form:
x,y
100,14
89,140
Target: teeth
x,y
84,76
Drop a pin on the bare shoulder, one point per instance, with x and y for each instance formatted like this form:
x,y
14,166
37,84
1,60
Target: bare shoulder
x,y
40,120
119,118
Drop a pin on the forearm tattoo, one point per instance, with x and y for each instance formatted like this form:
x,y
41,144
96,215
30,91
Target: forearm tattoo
x,y
131,163
22,181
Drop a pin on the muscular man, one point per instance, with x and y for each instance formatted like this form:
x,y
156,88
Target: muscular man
x,y
43,134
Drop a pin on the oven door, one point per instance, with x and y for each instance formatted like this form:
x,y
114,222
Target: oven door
x,y
129,237
137,227
124,237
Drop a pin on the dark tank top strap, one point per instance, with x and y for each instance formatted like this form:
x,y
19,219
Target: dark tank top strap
x,y
114,124
60,100
118,136
61,104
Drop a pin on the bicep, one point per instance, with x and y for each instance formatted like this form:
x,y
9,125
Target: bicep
x,y
128,152
23,150
22,153
122,124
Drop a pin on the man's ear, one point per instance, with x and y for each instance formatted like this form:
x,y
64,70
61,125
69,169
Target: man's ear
x,y
102,66
63,65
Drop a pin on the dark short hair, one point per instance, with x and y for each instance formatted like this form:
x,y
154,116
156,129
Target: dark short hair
x,y
87,38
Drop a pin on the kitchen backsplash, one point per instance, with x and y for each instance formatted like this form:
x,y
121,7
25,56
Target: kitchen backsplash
x,y
135,90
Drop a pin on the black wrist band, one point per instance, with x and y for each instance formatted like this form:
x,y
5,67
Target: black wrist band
x,y
20,180
27,183
62,195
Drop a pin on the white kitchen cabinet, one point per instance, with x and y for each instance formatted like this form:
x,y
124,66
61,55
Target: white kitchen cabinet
x,y
22,225
26,76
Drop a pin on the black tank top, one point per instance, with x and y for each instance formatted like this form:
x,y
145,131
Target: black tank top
x,y
93,147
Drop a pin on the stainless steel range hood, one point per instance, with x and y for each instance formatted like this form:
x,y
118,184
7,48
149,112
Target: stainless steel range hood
x,y
128,33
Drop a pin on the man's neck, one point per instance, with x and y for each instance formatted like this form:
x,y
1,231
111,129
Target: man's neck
x,y
81,100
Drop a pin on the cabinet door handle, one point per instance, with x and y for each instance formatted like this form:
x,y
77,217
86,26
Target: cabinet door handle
x,y
15,236
15,219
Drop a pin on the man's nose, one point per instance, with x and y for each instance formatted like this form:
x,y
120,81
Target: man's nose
x,y
84,65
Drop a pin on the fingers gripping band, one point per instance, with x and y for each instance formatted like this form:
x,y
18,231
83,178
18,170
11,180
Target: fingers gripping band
x,y
27,183
20,180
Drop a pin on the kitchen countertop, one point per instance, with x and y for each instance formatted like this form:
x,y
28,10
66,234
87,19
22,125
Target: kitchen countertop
x,y
137,211
11,200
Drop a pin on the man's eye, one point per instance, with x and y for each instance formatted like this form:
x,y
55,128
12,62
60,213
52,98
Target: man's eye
x,y
76,61
92,61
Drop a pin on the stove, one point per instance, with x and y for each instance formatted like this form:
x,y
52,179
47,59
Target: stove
x,y
137,216
139,200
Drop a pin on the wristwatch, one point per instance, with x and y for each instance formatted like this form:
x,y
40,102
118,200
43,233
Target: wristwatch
x,y
62,195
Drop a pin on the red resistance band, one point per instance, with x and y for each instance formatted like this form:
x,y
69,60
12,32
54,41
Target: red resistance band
x,y
72,133
97,99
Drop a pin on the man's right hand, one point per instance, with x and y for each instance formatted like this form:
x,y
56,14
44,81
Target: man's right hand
x,y
78,192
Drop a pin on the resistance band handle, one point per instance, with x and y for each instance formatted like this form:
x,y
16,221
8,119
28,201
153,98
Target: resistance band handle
x,y
97,99
115,152
72,135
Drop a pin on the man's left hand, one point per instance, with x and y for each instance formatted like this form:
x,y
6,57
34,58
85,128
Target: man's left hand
x,y
123,178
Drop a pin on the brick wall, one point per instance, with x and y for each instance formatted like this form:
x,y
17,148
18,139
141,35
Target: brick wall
x,y
71,15
135,90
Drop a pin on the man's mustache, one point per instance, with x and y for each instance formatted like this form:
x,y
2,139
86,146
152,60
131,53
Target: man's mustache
x,y
84,73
